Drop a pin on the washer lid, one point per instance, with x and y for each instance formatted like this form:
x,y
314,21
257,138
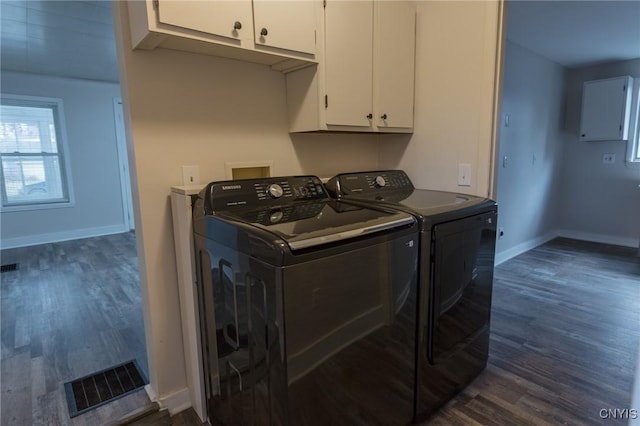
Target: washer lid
x,y
426,203
394,189
426,200
305,225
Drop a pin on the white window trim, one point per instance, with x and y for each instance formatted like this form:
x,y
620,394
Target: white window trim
x,y
63,146
633,144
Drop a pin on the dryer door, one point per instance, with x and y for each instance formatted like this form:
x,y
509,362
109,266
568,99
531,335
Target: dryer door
x,y
460,289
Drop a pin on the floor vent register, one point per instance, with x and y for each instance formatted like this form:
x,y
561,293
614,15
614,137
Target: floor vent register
x,y
9,267
99,388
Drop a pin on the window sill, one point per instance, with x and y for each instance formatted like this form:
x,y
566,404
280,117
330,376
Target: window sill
x,y
40,206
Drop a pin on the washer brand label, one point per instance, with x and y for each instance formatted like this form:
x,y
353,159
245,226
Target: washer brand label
x,y
228,187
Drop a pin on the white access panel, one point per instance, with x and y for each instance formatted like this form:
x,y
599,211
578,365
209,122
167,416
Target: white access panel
x,y
213,17
606,107
181,207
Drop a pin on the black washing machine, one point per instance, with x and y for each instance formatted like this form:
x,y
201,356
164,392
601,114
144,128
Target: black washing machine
x,y
307,305
457,252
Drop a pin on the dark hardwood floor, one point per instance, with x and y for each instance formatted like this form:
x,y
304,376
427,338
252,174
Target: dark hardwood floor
x,y
71,309
564,341
565,330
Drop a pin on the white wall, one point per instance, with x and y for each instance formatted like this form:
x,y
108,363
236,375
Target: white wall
x,y
601,202
188,109
93,156
456,59
529,186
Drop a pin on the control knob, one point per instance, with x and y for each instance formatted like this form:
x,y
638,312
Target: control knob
x,y
274,190
276,216
379,182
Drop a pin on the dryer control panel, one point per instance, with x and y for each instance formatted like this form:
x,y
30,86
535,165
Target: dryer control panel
x,y
374,182
256,193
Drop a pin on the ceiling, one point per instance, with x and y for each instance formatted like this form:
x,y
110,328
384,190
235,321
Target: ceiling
x,y
75,38
61,38
576,33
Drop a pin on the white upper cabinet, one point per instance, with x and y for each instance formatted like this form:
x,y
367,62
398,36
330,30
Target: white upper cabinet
x,y
394,69
285,24
273,32
606,109
365,79
231,19
349,62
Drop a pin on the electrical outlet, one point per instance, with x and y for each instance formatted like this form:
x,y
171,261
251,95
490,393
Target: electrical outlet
x,y
608,158
190,175
464,174
500,233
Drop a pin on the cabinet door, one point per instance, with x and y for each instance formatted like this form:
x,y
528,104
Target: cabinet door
x,y
605,109
394,66
285,24
348,62
224,18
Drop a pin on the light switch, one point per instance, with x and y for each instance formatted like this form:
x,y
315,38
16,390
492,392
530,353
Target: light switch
x,y
464,174
190,175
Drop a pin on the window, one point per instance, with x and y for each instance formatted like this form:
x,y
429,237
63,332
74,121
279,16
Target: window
x,y
34,169
633,146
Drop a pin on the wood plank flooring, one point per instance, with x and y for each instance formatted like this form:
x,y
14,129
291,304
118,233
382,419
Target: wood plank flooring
x,y
564,342
71,309
565,331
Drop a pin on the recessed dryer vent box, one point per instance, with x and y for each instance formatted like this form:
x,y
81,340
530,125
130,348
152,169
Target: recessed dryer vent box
x,y
248,170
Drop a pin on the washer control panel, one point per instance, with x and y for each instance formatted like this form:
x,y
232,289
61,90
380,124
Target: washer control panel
x,y
368,182
281,214
379,181
275,190
264,192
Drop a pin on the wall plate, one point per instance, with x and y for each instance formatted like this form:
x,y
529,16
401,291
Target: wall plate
x,y
464,174
608,158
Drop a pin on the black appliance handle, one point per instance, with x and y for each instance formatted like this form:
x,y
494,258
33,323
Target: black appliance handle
x,y
339,236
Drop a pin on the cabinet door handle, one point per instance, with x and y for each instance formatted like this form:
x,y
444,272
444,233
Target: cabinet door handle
x,y
264,32
383,116
237,25
369,116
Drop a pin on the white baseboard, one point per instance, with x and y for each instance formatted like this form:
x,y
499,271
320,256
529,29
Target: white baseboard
x,y
176,402
151,393
505,255
599,238
54,237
